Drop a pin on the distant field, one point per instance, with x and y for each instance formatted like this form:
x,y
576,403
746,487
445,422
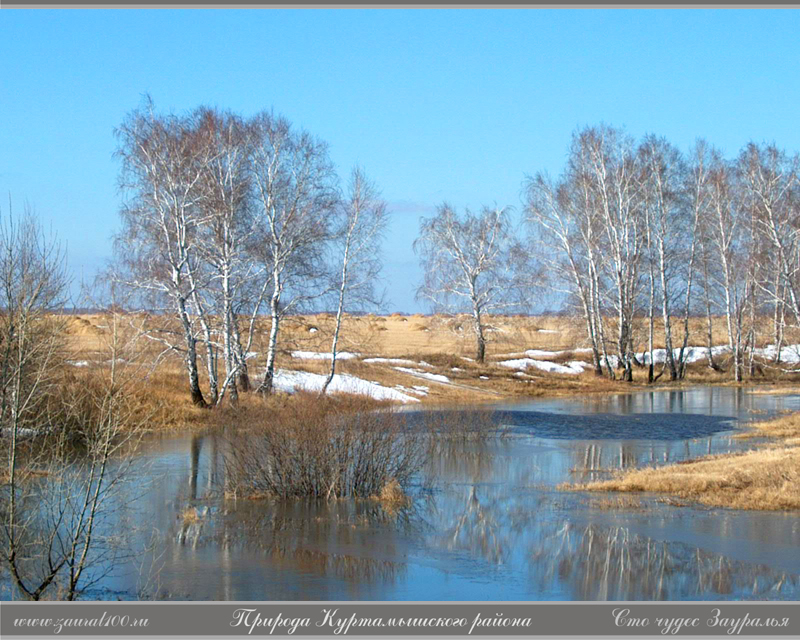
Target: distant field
x,y
425,358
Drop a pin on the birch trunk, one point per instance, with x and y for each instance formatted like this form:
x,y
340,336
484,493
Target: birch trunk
x,y
269,369
338,325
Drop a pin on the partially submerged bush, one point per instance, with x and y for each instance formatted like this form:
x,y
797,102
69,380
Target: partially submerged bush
x,y
320,448
475,424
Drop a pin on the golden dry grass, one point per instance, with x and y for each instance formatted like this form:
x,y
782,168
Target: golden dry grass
x,y
392,496
190,516
785,427
445,342
764,479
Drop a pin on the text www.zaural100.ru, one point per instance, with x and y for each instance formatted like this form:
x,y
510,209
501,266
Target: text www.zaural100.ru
x,y
106,620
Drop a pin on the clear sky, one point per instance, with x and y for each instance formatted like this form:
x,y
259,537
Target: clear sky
x,y
436,105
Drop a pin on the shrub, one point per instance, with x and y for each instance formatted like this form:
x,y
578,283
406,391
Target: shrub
x,y
322,448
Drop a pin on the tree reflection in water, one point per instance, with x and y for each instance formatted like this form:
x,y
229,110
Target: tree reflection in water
x,y
479,531
357,541
611,563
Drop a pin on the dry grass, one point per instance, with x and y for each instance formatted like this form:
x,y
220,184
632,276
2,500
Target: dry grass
x,y
785,427
764,479
445,342
189,516
392,496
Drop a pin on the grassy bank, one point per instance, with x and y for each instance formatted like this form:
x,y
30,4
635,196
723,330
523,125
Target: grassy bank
x,y
767,478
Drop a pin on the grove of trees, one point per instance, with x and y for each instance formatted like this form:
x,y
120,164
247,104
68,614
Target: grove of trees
x,y
643,230
227,218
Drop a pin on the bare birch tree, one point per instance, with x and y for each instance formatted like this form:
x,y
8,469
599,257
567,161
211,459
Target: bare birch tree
x,y
770,192
560,220
163,164
470,263
294,185
727,235
224,243
670,228
608,160
363,220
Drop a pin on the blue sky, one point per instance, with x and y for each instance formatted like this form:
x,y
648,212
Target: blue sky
x,y
455,105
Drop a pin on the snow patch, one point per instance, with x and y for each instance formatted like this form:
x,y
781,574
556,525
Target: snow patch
x,y
572,368
539,354
691,354
790,353
424,374
416,390
291,381
78,363
578,364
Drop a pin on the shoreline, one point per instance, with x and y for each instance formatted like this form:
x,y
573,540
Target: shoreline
x,y
765,478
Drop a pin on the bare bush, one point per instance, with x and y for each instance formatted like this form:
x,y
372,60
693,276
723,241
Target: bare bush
x,y
55,494
313,448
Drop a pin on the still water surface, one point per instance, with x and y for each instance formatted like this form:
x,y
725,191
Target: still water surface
x,y
487,522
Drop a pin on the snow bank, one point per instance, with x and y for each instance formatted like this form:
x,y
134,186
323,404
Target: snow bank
x,y
572,368
692,354
291,381
790,353
424,374
579,364
323,355
417,390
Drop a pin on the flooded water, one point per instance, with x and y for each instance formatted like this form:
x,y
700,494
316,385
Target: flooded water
x,y
487,521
